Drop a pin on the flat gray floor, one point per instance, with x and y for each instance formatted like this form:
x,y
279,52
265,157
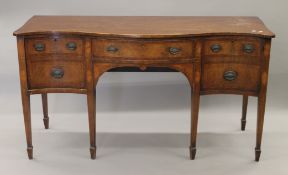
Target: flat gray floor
x,y
63,149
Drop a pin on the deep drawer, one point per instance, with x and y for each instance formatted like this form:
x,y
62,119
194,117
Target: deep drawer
x,y
58,74
223,77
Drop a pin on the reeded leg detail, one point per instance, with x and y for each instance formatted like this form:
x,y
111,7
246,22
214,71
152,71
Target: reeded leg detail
x,y
45,110
244,112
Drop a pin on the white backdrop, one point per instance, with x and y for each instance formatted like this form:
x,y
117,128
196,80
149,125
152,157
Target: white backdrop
x,y
143,102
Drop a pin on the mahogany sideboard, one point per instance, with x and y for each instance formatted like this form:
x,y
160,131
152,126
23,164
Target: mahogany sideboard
x,y
218,55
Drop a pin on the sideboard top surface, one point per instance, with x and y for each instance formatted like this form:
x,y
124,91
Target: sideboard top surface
x,y
146,26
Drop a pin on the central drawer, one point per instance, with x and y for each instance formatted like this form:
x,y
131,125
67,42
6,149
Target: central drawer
x,y
142,49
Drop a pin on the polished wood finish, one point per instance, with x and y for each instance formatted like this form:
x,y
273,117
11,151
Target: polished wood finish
x,y
143,49
54,45
232,46
91,97
247,77
195,99
25,95
40,74
262,98
145,26
217,55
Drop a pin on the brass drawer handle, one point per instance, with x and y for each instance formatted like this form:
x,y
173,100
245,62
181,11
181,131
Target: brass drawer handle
x,y
174,50
248,48
71,46
216,48
57,73
112,49
39,47
230,75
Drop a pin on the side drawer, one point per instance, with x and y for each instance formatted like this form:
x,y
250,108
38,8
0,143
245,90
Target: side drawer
x,y
48,45
60,74
220,76
238,46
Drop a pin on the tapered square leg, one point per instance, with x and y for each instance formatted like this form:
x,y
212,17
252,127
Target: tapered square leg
x,y
260,123
25,95
27,122
195,99
91,99
244,112
45,110
194,122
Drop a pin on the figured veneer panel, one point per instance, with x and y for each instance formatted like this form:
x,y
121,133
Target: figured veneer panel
x,y
239,47
142,49
63,45
225,47
247,79
146,26
40,75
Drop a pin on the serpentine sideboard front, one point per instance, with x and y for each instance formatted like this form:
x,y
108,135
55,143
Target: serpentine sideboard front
x,y
218,55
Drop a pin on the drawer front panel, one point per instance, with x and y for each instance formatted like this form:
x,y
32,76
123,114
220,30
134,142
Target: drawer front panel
x,y
44,46
223,77
249,47
218,47
132,49
58,74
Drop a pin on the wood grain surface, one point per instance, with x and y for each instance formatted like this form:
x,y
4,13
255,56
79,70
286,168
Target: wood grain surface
x,y
145,26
